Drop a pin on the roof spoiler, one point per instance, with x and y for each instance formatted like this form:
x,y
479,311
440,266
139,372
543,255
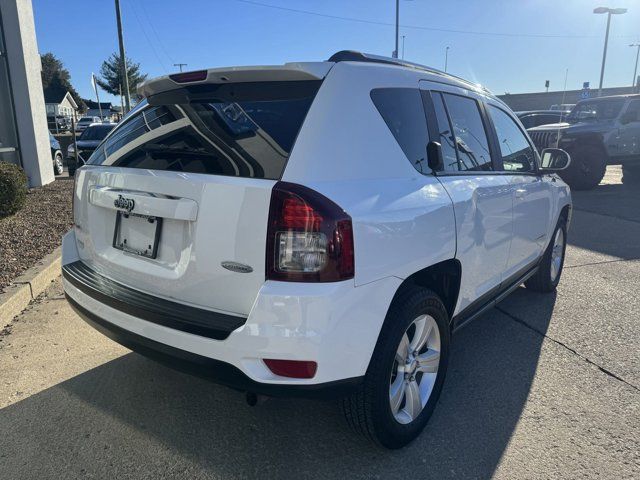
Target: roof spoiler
x,y
268,73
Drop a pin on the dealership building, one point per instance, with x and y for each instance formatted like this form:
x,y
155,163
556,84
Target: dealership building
x,y
24,136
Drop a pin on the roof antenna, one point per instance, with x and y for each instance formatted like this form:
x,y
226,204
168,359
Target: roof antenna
x,y
564,93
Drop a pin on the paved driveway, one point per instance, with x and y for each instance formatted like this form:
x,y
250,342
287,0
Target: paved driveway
x,y
544,386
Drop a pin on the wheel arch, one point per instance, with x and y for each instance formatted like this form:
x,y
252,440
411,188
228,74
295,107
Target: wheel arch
x,y
442,277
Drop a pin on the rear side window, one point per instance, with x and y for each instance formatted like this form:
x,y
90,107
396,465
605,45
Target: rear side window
x,y
241,130
402,111
446,137
516,151
471,141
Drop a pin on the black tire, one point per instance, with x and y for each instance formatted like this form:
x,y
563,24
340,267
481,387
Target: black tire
x,y
368,411
631,175
58,167
587,168
543,281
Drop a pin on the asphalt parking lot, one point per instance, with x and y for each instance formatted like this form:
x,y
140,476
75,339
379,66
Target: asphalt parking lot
x,y
544,386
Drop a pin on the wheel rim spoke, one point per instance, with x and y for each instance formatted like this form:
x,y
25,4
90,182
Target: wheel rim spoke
x,y
413,403
428,362
403,350
396,394
422,332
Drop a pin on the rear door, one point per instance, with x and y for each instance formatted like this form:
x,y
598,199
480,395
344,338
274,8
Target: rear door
x,y
175,201
481,197
629,130
532,196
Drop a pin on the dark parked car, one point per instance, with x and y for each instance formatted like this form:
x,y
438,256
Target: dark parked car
x,y
56,155
597,132
535,118
87,143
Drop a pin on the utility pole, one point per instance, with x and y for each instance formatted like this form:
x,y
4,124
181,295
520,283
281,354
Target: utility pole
x,y
123,61
635,70
395,52
403,46
180,65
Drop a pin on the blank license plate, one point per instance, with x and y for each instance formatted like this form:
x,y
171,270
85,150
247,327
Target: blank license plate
x,y
138,234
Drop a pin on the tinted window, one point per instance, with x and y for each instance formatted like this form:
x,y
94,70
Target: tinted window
x,y
528,121
244,130
446,137
596,110
517,154
402,111
633,109
470,137
97,132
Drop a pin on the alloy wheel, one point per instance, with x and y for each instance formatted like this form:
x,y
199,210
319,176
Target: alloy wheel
x,y
415,369
557,253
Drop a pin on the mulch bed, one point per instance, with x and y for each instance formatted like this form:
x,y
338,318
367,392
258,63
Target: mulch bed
x,y
36,230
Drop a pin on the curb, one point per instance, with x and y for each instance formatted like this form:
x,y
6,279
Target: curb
x,y
28,286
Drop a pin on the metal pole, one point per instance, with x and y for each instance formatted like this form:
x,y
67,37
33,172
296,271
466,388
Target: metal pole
x,y
604,53
635,70
75,143
180,65
395,52
98,99
446,59
123,60
403,46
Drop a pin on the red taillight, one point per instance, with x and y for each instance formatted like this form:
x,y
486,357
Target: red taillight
x,y
309,237
187,77
292,368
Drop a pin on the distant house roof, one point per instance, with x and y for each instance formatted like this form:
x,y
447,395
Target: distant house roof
x,y
94,105
58,96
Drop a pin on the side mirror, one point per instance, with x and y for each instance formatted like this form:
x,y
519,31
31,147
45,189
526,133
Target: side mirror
x,y
434,156
628,117
554,160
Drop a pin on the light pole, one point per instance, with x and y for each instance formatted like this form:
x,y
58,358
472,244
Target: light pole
x,y
395,52
635,70
609,12
446,59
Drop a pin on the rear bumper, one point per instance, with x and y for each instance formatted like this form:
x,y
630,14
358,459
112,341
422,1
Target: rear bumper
x,y
333,324
216,370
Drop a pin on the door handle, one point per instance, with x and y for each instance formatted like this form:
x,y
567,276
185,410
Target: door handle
x,y
521,193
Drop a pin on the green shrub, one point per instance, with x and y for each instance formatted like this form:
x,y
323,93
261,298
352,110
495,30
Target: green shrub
x,y
13,188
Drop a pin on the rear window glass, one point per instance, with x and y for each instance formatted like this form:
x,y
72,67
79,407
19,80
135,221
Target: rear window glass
x,y
97,132
402,111
242,130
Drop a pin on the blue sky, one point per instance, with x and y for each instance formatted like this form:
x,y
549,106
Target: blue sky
x,y
508,45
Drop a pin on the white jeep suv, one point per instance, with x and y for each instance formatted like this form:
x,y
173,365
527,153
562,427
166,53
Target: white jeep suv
x,y
314,229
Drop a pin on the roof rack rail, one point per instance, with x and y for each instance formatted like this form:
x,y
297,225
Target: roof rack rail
x,y
354,56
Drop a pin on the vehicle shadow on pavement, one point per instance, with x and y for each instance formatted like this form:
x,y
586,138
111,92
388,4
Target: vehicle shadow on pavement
x,y
601,233
132,417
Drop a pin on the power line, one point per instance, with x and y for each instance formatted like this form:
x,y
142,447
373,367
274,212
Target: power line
x,y
144,32
155,32
415,27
